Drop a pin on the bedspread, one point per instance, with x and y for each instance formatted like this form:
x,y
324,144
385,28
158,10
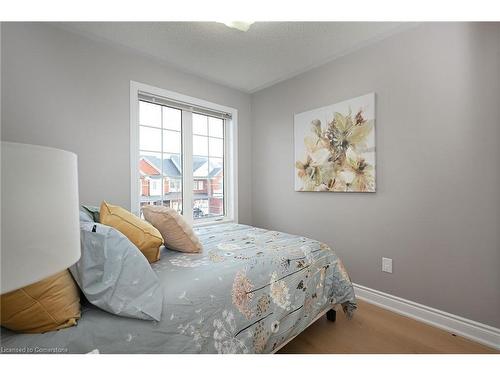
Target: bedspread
x,y
249,291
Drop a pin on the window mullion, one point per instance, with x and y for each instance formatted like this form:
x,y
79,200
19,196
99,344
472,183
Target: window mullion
x,y
187,166
162,192
225,168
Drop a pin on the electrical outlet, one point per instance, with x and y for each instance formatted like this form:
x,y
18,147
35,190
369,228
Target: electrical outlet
x,y
387,265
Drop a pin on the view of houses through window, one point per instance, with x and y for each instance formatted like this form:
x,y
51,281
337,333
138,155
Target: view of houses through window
x,y
208,166
160,160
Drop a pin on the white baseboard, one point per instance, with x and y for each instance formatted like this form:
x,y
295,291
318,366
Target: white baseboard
x,y
470,329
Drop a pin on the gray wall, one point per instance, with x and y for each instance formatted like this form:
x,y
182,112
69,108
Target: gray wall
x,y
436,211
66,91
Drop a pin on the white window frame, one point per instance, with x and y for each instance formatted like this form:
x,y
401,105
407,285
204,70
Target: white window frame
x,y
230,154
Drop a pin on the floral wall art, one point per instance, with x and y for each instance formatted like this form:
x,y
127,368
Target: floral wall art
x,y
335,147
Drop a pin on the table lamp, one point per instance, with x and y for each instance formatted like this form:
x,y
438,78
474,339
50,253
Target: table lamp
x,y
40,213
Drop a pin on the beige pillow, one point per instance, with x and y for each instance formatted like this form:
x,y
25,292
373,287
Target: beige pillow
x,y
47,305
139,232
176,232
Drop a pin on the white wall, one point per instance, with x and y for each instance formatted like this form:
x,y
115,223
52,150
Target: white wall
x,y
66,91
436,211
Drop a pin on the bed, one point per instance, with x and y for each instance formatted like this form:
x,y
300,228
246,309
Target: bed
x,y
251,290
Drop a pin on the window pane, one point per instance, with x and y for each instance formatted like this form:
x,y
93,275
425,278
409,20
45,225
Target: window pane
x,y
200,208
150,178
216,147
216,174
176,160
173,181
200,166
215,127
172,142
215,165
200,145
215,206
200,186
149,114
161,172
172,118
200,124
149,139
208,184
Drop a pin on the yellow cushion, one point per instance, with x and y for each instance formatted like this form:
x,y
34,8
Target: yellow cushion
x,y
142,234
176,232
47,305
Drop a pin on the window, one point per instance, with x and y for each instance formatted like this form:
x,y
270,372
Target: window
x,y
175,185
183,154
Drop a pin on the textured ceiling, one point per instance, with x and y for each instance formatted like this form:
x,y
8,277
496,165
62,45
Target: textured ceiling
x,y
249,61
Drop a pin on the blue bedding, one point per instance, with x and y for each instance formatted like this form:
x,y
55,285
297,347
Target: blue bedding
x,y
249,291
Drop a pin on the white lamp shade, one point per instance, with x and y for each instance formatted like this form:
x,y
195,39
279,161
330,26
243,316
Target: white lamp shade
x,y
40,213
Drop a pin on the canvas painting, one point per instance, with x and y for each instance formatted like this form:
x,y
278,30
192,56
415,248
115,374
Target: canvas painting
x,y
335,147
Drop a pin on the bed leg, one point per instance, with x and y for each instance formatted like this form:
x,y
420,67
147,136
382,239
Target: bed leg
x,y
331,315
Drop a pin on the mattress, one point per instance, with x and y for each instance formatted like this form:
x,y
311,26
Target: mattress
x,y
249,291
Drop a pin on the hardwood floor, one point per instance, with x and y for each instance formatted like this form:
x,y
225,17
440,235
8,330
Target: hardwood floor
x,y
377,331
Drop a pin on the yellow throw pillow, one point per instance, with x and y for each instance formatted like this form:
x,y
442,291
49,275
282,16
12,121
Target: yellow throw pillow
x,y
176,232
142,234
47,305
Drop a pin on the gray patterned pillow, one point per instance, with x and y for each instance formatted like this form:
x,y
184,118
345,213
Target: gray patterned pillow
x,y
92,211
85,216
115,276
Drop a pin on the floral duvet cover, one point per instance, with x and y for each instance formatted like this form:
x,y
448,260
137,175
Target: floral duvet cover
x,y
249,291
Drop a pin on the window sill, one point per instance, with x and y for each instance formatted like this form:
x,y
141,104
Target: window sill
x,y
205,223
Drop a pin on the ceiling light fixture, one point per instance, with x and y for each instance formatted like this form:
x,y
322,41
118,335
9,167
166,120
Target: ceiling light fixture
x,y
239,25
